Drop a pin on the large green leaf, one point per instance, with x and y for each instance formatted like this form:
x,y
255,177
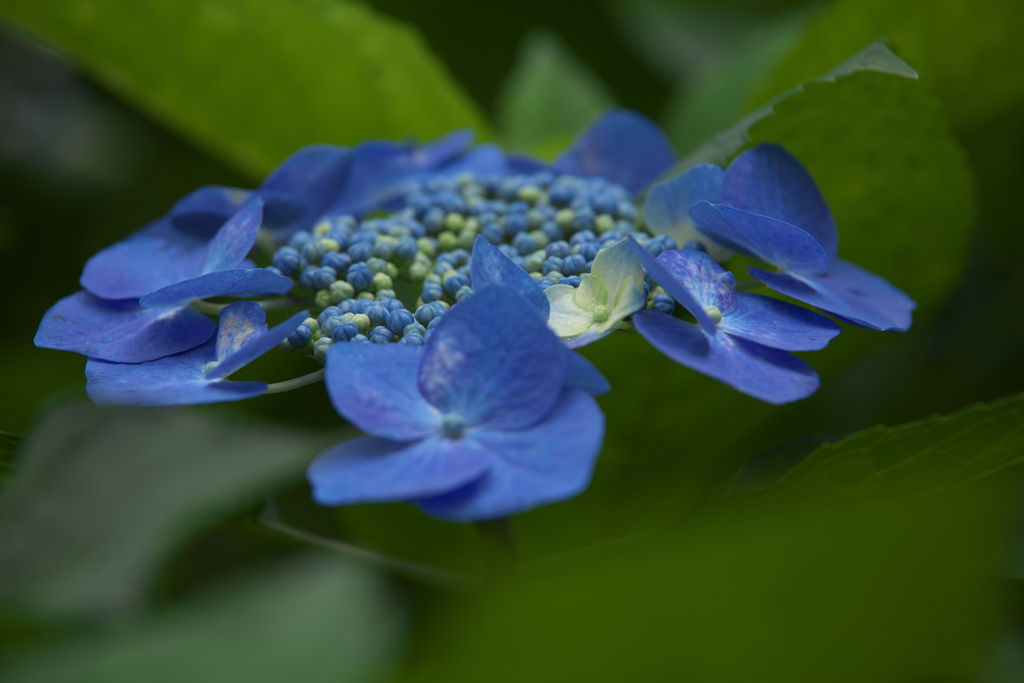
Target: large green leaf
x,y
966,53
9,444
548,98
311,620
885,463
253,81
888,594
103,495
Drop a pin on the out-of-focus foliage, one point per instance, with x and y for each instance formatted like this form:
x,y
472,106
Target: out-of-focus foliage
x,y
967,52
548,98
110,493
254,81
309,619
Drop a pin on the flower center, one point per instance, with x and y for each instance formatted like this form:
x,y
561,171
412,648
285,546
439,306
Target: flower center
x,y
453,425
714,314
600,314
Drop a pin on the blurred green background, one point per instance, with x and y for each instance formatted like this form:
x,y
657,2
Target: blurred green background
x,y
142,547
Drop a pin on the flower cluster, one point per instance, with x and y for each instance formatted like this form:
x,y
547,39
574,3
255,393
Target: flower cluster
x,y
450,285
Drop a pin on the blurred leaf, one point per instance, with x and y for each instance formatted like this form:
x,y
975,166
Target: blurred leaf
x,y
767,467
103,495
548,98
253,81
720,148
9,445
899,185
313,619
965,52
886,463
887,594
717,94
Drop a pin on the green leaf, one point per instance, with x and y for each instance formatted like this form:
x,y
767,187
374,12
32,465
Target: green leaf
x,y
254,81
891,593
548,98
111,492
886,463
9,445
313,619
963,51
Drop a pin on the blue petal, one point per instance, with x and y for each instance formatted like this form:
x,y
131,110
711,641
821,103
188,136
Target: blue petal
x,y
489,266
154,257
480,160
203,211
770,240
665,208
237,282
374,386
670,284
580,373
252,346
493,361
120,331
766,374
176,380
768,181
379,169
376,470
622,146
521,164
549,462
778,324
849,292
704,279
238,322
305,184
235,238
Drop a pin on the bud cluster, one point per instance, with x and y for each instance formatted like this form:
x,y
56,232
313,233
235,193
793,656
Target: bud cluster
x,y
362,271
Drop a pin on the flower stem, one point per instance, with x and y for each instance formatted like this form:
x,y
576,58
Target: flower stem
x,y
500,556
268,305
296,383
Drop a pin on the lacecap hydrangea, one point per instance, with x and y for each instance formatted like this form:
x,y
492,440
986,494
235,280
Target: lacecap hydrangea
x,y
445,287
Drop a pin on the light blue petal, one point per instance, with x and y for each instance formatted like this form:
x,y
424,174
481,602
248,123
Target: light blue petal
x,y
235,238
237,282
374,386
254,345
768,181
547,463
767,239
155,257
580,373
375,470
493,361
674,287
202,212
849,292
120,331
176,380
778,324
488,266
236,324
299,190
767,374
704,279
622,146
665,209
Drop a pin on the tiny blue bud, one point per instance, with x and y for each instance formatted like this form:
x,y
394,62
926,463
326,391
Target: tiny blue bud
x,y
384,248
434,220
454,283
359,275
429,312
407,248
453,425
329,312
573,264
299,238
545,282
360,251
583,236
663,303
588,250
306,278
288,260
552,263
493,232
324,277
560,249
414,328
344,331
381,335
300,336
516,223
339,261
571,280
552,230
272,269
464,293
360,339
524,243
376,313
399,319
312,250
431,292
583,220
320,348
414,339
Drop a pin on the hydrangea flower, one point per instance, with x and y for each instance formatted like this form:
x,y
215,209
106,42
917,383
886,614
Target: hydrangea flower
x,y
771,209
136,303
740,338
668,202
199,375
612,291
477,425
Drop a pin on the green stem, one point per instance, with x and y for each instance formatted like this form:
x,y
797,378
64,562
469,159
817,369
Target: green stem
x,y
296,383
